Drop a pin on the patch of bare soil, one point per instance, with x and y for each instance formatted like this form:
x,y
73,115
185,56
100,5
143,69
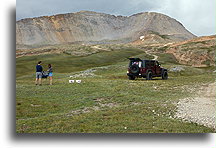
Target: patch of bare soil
x,y
198,52
200,109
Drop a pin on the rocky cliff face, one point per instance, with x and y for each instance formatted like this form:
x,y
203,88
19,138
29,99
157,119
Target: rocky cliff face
x,y
86,26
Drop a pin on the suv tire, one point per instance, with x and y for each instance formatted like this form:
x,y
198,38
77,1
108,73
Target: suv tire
x,y
134,69
165,75
149,75
131,77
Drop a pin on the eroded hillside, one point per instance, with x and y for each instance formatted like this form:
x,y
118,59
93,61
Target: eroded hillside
x,y
199,52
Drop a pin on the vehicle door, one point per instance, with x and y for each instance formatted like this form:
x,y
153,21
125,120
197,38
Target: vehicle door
x,y
153,68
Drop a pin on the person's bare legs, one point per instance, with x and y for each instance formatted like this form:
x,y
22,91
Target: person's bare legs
x,y
40,82
36,81
50,80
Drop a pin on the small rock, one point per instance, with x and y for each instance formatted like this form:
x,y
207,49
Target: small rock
x,y
35,105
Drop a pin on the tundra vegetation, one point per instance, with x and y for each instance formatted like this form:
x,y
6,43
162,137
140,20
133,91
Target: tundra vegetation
x,y
105,101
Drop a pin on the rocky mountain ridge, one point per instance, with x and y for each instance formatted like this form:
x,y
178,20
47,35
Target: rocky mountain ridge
x,y
87,26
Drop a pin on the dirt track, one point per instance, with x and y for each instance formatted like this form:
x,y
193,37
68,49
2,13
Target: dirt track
x,y
201,108
151,54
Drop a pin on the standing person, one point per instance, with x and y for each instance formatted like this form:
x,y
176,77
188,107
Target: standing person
x,y
39,70
50,71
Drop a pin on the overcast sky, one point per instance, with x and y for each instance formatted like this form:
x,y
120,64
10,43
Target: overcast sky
x,y
198,16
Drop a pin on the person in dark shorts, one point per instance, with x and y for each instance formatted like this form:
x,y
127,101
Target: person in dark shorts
x,y
50,71
39,70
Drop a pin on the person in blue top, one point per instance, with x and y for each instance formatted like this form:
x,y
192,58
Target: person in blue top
x,y
39,70
50,71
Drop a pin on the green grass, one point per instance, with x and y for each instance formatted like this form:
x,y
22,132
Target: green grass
x,y
107,102
167,58
65,63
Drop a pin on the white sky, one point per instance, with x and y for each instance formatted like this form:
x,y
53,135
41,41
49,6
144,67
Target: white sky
x,y
198,16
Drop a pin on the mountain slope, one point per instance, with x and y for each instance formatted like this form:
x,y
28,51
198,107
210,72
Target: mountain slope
x,y
198,52
87,26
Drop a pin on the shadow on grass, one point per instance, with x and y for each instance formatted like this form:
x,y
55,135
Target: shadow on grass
x,y
124,77
153,79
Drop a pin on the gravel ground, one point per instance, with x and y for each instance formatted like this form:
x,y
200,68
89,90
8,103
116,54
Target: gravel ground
x,y
200,109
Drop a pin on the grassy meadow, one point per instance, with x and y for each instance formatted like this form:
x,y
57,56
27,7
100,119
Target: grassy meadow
x,y
105,101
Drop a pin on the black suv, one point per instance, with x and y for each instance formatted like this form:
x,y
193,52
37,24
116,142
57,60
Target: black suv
x,y
146,69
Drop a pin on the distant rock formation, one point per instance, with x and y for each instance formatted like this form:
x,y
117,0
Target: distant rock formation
x,y
87,26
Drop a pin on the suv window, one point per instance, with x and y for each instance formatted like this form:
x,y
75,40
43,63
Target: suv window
x,y
152,63
135,63
139,63
147,63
